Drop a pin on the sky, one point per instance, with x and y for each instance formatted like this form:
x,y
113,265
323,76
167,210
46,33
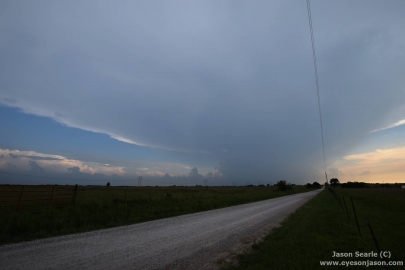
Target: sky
x,y
182,91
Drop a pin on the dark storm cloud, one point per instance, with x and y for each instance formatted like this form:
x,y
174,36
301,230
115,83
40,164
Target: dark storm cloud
x,y
10,166
41,158
31,157
35,168
14,156
74,170
9,100
193,178
231,78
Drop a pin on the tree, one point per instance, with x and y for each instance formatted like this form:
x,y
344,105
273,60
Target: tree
x,y
334,181
283,185
308,185
316,185
108,184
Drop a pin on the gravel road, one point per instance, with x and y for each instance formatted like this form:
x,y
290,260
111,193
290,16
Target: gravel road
x,y
194,241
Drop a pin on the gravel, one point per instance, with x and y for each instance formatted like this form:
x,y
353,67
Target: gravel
x,y
194,241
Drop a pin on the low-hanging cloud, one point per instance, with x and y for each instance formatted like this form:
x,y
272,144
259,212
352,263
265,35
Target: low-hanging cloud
x,y
34,162
26,164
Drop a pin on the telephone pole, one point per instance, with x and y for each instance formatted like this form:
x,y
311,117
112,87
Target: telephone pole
x,y
139,181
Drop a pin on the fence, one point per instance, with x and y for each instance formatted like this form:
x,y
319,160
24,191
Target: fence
x,y
34,197
342,204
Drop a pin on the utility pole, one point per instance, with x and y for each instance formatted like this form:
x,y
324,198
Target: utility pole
x,y
139,181
205,183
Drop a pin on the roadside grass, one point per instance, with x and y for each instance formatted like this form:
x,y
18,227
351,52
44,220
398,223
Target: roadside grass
x,y
106,207
318,228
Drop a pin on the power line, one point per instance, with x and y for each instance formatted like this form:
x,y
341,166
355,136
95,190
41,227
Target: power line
x,y
317,83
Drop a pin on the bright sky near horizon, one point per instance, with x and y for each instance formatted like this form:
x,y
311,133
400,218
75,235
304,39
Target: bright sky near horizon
x,y
178,92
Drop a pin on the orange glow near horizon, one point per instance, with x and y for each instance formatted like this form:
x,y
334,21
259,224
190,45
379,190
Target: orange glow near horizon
x,y
379,166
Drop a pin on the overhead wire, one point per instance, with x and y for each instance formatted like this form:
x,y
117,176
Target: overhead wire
x,y
317,82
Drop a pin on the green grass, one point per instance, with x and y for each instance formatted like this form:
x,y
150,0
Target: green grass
x,y
314,231
102,207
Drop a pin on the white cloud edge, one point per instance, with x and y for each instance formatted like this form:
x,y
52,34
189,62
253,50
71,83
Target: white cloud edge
x,y
64,122
396,124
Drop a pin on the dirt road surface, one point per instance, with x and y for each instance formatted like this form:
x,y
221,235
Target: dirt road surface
x,y
194,241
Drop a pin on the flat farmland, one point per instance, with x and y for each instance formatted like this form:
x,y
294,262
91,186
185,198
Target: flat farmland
x,y
194,241
326,225
99,207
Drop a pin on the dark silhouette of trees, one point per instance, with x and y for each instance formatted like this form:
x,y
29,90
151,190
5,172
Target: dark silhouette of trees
x,y
283,185
316,185
334,181
354,185
108,184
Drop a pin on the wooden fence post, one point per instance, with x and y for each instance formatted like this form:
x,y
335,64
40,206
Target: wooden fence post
x,y
357,222
50,200
341,203
74,194
19,199
375,240
347,212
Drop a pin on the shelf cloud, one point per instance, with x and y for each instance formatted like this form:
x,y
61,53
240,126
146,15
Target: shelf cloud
x,y
230,79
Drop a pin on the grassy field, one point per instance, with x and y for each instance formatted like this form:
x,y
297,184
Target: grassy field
x,y
313,232
105,207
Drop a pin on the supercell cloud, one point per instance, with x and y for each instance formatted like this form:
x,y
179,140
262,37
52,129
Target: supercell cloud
x,y
230,79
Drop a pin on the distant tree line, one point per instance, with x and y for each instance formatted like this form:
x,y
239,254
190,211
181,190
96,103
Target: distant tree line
x,y
354,185
335,182
313,185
